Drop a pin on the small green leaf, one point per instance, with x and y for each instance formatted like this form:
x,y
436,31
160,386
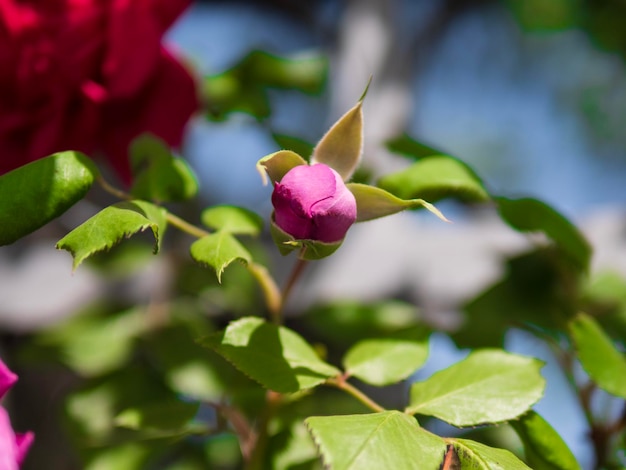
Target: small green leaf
x,y
387,440
601,360
232,219
373,202
276,357
36,193
109,226
171,417
434,178
218,250
531,215
384,361
277,164
342,146
409,147
489,386
544,448
474,455
158,175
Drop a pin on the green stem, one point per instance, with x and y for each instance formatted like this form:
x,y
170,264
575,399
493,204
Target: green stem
x,y
341,383
269,288
185,226
118,193
297,271
257,457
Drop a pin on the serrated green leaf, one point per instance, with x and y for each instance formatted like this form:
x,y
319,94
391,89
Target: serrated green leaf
x,y
489,386
409,147
167,418
387,440
544,448
476,456
373,202
532,215
112,224
232,219
434,178
218,250
36,193
276,357
342,146
598,355
277,164
158,175
384,361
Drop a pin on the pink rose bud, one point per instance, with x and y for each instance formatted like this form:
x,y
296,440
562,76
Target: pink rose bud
x,y
313,203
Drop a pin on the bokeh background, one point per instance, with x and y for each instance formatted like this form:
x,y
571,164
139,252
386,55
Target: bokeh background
x,y
530,93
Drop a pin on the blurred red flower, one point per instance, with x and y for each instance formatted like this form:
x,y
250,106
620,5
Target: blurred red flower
x,y
88,75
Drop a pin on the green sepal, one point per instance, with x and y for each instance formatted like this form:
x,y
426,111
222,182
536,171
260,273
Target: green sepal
x,y
277,164
342,146
373,202
39,192
310,250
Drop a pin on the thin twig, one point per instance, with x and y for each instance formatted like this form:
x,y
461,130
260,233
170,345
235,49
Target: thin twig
x,y
341,383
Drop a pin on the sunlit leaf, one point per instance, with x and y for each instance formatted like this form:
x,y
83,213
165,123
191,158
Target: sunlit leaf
x,y
218,250
474,455
434,178
543,447
384,361
36,193
598,355
386,440
111,225
276,357
488,386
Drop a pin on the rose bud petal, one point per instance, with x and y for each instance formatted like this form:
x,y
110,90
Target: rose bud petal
x,y
313,203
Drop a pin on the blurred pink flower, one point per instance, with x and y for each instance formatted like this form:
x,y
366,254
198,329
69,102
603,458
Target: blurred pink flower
x,y
88,75
313,203
13,447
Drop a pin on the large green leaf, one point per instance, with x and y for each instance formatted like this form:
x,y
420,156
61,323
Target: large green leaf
x,y
601,360
232,219
544,448
384,361
476,456
373,202
386,440
109,226
218,250
489,386
36,193
532,215
274,356
158,175
434,178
